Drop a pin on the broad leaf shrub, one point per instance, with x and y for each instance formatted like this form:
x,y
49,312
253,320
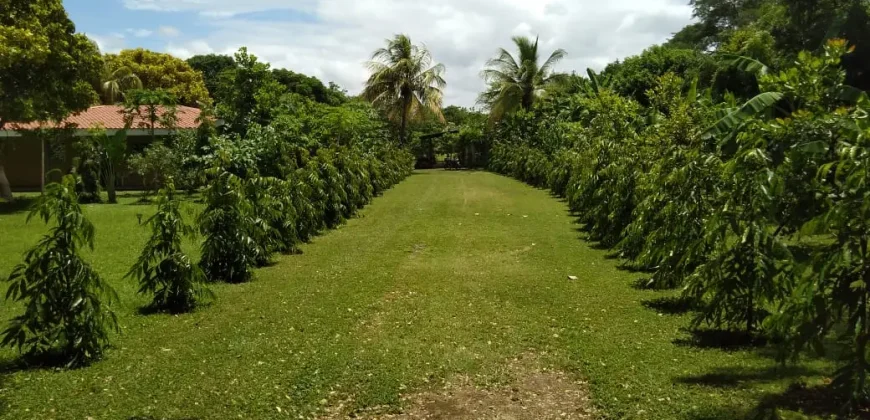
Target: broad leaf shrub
x,y
713,197
66,314
228,223
271,190
163,270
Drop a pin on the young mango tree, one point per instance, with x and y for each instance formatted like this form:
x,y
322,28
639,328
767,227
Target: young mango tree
x,y
163,269
66,303
112,150
229,251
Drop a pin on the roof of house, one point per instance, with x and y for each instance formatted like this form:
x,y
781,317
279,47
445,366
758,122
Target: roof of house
x,y
112,117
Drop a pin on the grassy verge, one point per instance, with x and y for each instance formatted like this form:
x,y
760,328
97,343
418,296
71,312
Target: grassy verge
x,y
447,273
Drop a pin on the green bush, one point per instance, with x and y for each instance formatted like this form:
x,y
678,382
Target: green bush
x,y
163,269
714,196
66,313
230,250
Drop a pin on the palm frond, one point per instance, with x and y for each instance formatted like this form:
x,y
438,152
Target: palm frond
x,y
747,64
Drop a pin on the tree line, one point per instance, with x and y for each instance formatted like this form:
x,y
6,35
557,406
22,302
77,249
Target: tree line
x,y
730,163
282,167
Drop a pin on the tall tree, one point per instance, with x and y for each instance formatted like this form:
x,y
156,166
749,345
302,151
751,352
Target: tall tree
x,y
162,71
309,87
405,83
116,84
47,71
636,75
211,66
515,82
238,88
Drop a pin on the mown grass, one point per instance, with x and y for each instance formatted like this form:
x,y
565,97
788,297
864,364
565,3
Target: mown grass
x,y
449,272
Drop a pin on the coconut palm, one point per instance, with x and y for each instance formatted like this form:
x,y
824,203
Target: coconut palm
x,y
117,83
514,83
404,82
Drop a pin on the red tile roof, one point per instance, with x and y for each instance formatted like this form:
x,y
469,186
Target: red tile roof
x,y
112,117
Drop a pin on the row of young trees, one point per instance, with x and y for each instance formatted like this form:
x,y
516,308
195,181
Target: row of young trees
x,y
758,210
282,168
265,194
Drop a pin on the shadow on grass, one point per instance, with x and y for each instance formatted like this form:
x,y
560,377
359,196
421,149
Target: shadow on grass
x,y
721,339
20,205
670,305
152,309
816,401
51,360
736,377
822,401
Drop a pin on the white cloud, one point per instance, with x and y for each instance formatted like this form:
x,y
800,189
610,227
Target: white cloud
x,y
168,31
109,43
191,48
140,33
218,7
337,36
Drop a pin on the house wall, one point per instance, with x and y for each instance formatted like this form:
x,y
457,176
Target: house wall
x,y
21,162
22,155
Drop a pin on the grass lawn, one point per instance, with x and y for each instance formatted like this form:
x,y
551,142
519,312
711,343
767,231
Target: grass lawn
x,y
449,274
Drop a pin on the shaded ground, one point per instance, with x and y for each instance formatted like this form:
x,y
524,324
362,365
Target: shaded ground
x,y
415,308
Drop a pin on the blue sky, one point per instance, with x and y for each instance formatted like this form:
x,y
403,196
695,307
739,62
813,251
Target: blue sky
x,y
331,39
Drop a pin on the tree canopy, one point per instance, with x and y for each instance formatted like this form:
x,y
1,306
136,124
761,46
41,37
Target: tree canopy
x,y
309,87
515,82
47,71
775,31
211,66
634,76
162,71
405,82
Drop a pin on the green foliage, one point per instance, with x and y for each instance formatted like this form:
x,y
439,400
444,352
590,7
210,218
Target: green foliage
x,y
117,83
634,76
37,38
113,154
151,108
405,83
310,87
714,196
211,66
237,91
228,223
159,71
175,158
775,32
515,82
65,301
88,166
163,269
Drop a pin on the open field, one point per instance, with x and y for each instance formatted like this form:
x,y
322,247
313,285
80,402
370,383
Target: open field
x,y
450,289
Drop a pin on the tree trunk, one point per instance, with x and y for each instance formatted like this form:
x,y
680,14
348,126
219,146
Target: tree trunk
x,y
5,189
110,185
42,165
403,127
750,312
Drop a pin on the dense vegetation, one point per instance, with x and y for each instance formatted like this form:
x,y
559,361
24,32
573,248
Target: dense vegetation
x,y
282,168
757,210
731,163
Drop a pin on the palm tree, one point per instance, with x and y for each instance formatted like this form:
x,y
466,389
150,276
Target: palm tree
x,y
117,83
404,82
515,82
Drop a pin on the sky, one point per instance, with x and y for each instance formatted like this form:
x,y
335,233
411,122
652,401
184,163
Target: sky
x,y
332,39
